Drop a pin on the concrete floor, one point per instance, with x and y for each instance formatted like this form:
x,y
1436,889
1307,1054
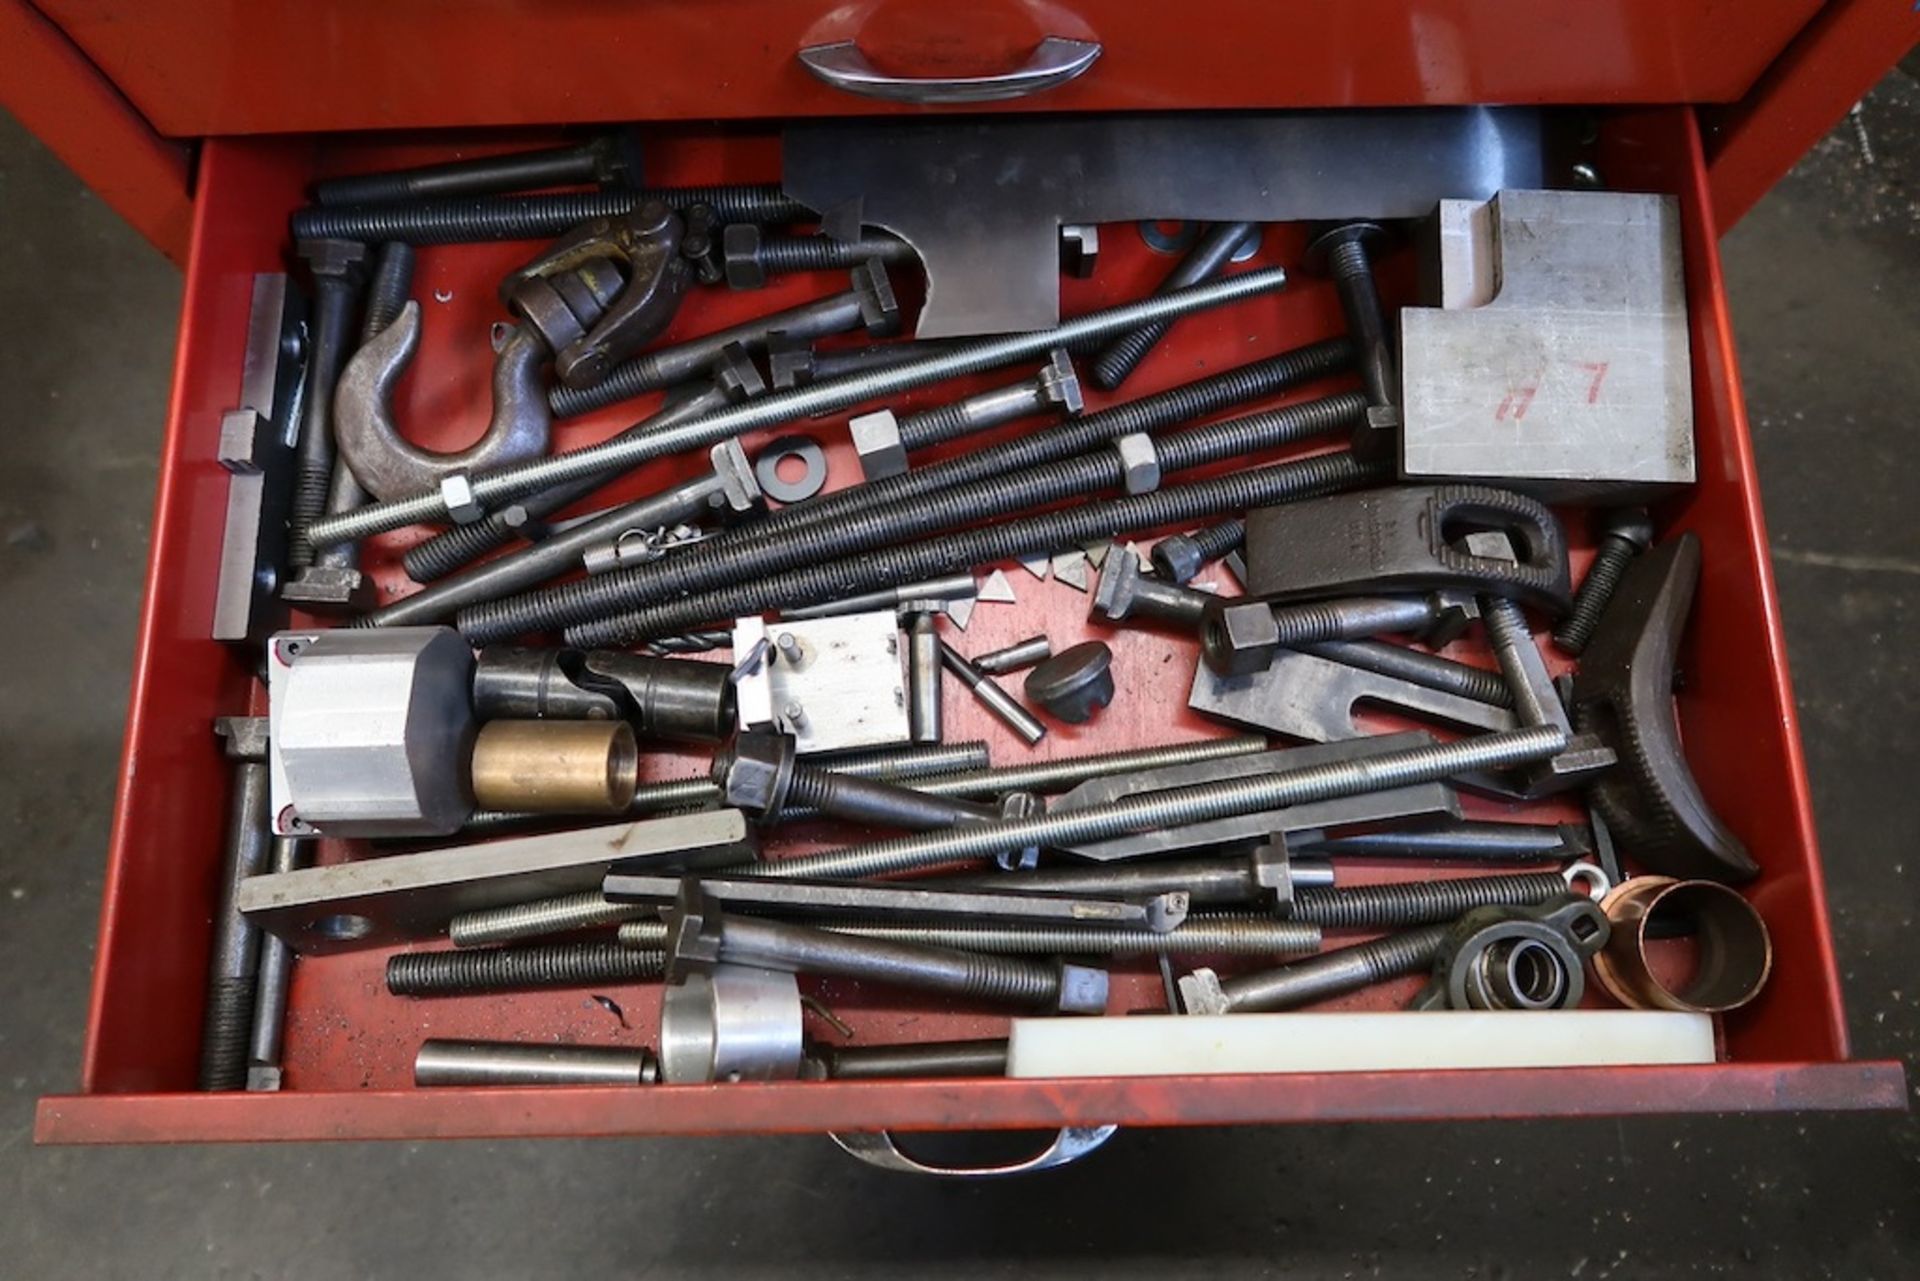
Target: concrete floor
x,y
1825,279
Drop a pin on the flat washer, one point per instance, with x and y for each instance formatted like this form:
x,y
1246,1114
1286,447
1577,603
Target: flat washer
x,y
766,468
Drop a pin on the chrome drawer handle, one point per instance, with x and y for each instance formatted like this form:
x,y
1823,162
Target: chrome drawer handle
x,y
876,1147
1055,60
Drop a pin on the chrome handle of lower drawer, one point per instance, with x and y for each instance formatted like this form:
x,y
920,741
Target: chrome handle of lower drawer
x,y
1054,61
876,1147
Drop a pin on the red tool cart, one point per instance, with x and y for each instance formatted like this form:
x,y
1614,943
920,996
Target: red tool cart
x,y
205,123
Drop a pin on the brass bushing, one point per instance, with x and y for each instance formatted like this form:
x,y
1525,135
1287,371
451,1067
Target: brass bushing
x,y
556,767
1734,953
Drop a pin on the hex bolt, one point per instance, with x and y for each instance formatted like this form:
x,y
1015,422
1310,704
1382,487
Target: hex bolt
x,y
728,485
1124,593
333,582
1360,907
971,358
699,934
749,255
676,795
923,675
610,598
1234,645
1178,807
883,441
1208,257
869,303
515,969
1015,657
1263,486
1417,667
606,160
1318,978
1179,404
472,219
1181,557
762,776
1625,534
337,268
233,971
448,551
1003,705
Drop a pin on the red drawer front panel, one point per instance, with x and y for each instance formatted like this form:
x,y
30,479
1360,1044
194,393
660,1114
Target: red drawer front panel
x,y
349,1045
204,67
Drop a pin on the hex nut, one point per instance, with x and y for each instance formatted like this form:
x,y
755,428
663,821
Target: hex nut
x,y
1083,990
740,256
1239,638
879,309
1075,683
1059,384
1178,556
876,439
1139,462
456,491
760,774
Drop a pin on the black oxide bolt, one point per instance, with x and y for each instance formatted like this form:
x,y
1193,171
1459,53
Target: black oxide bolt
x,y
606,160
1208,257
1150,413
1179,557
472,219
1625,535
338,268
761,775
750,256
507,969
707,567
1283,482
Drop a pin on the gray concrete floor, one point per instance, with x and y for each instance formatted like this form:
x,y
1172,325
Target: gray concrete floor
x,y
1825,279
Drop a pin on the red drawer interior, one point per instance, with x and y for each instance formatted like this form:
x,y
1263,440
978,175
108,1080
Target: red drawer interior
x,y
349,1045
206,67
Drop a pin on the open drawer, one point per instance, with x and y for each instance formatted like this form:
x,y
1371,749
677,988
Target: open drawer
x,y
349,1045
